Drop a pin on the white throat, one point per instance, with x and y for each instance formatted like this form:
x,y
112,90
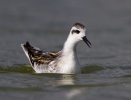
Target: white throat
x,y
69,46
69,58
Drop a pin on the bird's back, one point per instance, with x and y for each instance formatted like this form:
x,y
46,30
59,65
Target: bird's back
x,y
40,60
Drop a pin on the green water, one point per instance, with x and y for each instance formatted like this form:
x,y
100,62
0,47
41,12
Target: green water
x,y
20,81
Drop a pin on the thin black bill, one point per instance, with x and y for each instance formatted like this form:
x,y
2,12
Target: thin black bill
x,y
86,41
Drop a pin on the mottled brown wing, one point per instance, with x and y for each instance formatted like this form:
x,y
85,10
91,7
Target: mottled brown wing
x,y
38,56
44,58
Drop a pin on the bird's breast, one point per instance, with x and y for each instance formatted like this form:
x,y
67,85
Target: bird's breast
x,y
69,64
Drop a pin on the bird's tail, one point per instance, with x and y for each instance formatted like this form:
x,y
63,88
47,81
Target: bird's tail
x,y
27,49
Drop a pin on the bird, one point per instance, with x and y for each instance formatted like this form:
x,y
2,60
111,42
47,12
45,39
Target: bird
x,y
64,61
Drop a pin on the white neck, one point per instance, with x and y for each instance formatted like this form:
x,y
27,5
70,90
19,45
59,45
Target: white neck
x,y
70,46
69,57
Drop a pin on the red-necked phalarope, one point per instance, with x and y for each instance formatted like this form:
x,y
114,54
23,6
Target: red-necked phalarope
x,y
64,61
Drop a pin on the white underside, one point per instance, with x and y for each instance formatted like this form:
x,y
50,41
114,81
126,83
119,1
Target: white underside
x,y
69,64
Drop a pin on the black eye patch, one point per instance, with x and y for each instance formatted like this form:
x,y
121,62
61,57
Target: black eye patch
x,y
75,31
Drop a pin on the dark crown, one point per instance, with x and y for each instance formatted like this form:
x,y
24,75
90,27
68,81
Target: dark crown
x,y
79,25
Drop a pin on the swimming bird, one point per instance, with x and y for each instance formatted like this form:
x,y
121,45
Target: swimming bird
x,y
64,61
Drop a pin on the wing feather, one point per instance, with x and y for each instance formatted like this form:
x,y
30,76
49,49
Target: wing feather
x,y
37,56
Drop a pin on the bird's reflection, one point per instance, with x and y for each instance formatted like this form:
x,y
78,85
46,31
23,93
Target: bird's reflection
x,y
65,79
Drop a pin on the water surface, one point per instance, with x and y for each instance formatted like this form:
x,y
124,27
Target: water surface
x,y
106,67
